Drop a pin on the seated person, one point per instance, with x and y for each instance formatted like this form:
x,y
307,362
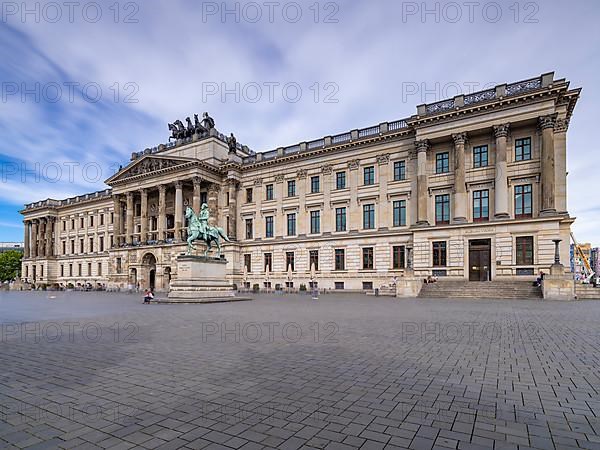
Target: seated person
x,y
149,296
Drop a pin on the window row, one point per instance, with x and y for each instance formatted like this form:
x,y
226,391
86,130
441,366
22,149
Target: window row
x,y
91,222
80,247
367,254
481,155
80,270
341,220
341,182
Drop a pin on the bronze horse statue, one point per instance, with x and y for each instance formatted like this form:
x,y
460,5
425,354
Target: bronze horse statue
x,y
198,229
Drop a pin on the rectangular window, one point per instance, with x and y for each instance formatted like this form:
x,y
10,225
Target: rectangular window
x,y
269,226
367,285
340,180
523,201
400,171
315,185
291,224
369,176
340,219
339,285
524,251
91,250
398,257
442,209
79,270
91,221
369,217
269,192
99,269
442,162
81,246
70,270
72,247
248,263
64,225
249,229
315,222
268,262
340,259
64,247
72,224
400,213
290,261
81,222
439,254
291,188
313,259
481,206
89,269
367,258
101,219
101,244
249,195
119,263
523,149
480,156
62,270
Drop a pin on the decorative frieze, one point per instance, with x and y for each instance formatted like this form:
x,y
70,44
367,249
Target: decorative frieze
x,y
301,174
383,159
354,164
327,169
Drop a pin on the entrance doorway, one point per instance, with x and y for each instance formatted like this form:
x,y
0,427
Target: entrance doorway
x,y
480,256
149,264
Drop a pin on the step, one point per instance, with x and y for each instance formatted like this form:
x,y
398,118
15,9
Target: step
x,y
481,290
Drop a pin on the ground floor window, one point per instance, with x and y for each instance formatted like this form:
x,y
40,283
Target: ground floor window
x,y
289,261
398,257
439,254
268,262
367,285
524,250
248,263
340,259
339,286
314,259
368,258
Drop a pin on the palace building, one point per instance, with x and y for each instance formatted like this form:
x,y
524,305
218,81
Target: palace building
x,y
473,188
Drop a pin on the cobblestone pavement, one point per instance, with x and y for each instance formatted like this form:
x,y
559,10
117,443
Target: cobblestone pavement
x,y
105,371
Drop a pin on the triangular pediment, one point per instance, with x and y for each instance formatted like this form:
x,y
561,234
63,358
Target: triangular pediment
x,y
148,165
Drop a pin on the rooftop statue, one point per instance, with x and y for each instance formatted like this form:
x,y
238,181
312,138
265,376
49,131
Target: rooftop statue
x,y
198,229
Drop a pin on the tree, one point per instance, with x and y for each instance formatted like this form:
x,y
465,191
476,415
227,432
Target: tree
x,y
10,265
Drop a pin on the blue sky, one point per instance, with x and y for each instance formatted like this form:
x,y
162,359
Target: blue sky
x,y
165,59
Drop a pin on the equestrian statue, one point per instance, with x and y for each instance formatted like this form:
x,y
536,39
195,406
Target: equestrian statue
x,y
200,230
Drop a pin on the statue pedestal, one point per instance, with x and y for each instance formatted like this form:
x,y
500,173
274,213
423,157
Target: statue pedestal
x,y
201,279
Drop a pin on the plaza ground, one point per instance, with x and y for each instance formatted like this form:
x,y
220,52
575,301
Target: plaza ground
x,y
91,370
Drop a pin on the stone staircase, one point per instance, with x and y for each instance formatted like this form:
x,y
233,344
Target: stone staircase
x,y
461,289
586,292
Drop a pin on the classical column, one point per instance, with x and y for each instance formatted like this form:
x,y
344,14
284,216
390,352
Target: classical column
x,y
328,219
27,244
34,239
354,219
547,124
144,216
117,220
501,180
460,188
233,192
49,222
41,251
178,210
197,189
303,218
213,203
162,212
129,215
560,164
422,182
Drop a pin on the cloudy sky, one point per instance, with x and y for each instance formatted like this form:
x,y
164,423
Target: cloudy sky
x,y
84,86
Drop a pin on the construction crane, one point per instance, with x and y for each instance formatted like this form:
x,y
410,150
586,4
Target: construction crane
x,y
587,268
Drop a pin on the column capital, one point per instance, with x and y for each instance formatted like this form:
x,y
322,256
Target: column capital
x,y
561,126
178,185
460,138
327,169
197,180
233,183
144,191
162,189
422,145
214,188
548,121
501,130
382,160
354,164
129,195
